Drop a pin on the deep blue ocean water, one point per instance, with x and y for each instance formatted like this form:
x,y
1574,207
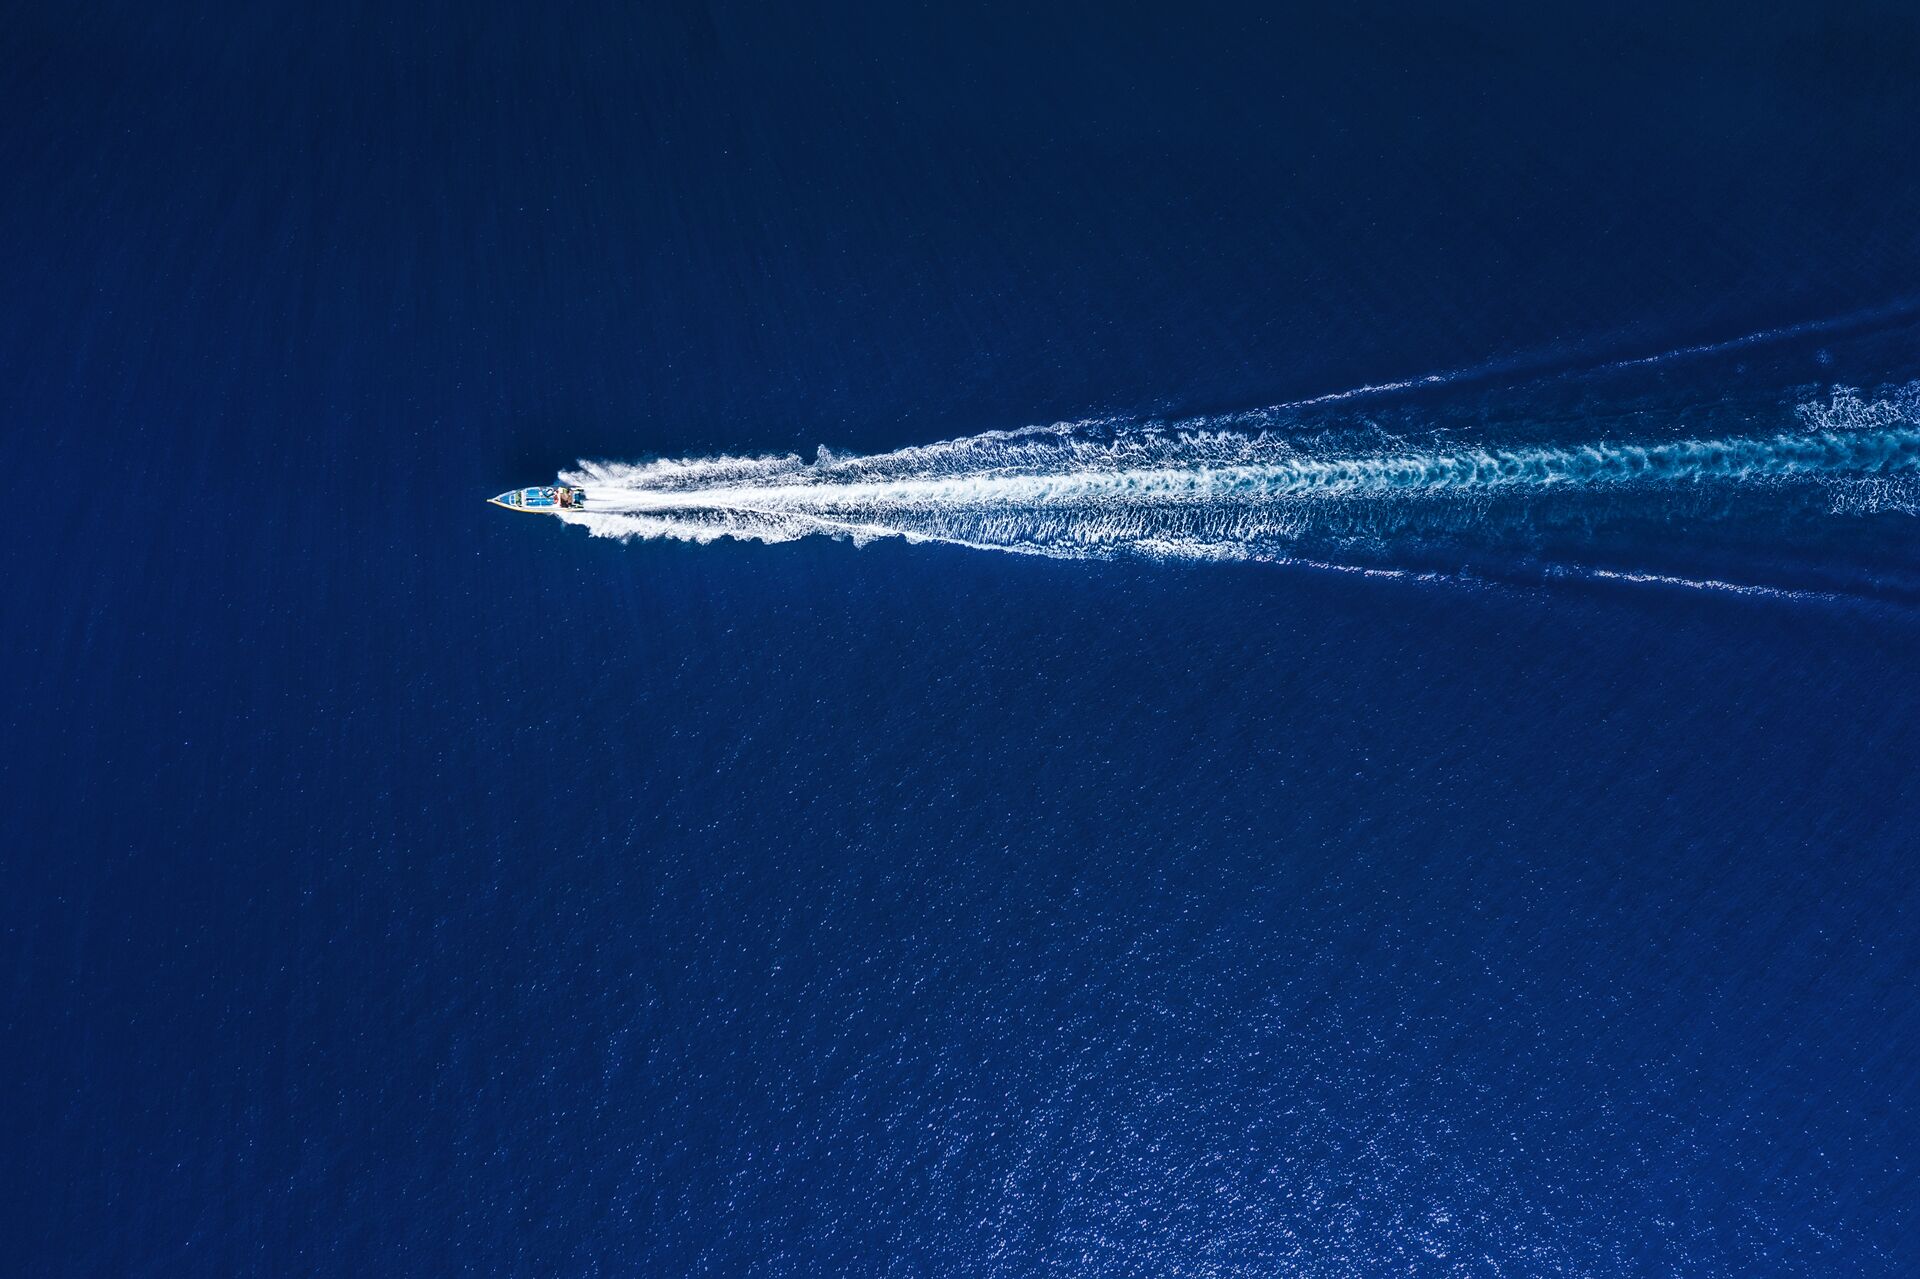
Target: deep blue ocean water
x,y
394,885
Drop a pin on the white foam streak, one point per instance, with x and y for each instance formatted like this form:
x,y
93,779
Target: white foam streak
x,y
1206,492
1541,365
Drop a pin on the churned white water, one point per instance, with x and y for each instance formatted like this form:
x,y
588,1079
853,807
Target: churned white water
x,y
1239,487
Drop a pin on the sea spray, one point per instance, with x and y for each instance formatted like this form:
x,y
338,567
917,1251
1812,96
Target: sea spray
x,y
1220,488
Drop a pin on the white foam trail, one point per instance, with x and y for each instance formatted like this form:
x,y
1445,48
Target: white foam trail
x,y
1709,584
1810,328
1384,388
1099,489
1536,364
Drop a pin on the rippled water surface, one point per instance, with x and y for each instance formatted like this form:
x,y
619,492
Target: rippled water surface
x,y
1434,796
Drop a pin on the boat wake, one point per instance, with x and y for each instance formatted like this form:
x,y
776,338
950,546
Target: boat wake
x,y
1392,494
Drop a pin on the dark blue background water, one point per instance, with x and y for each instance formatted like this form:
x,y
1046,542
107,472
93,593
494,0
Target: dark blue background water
x,y
391,885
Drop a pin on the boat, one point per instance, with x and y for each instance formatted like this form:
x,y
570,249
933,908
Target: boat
x,y
548,499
